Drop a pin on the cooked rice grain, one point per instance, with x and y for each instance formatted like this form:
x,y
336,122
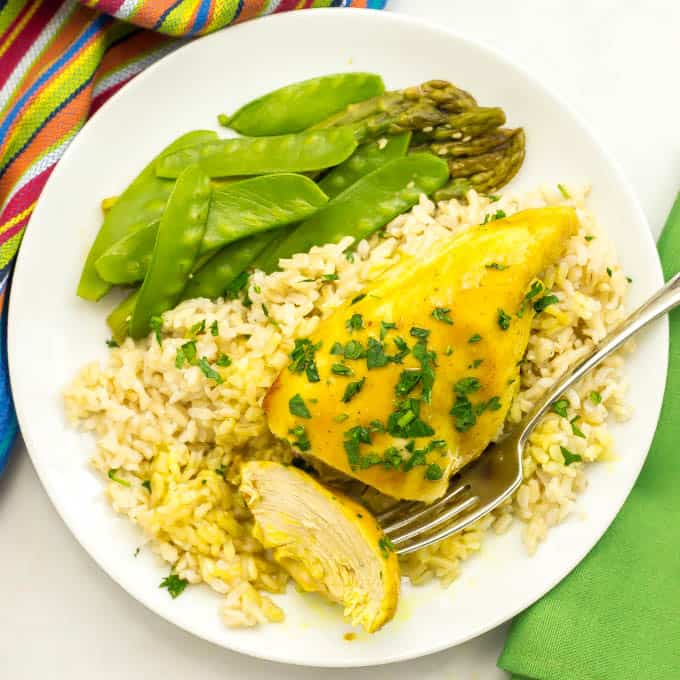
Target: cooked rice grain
x,y
186,436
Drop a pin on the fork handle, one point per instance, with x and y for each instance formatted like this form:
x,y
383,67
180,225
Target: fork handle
x,y
662,302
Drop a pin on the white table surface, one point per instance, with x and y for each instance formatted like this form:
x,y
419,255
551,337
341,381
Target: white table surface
x,y
61,617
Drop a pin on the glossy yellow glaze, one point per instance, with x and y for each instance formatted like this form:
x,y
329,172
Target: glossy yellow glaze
x,y
456,277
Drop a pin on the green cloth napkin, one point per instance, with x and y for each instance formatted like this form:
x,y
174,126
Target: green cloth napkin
x,y
617,615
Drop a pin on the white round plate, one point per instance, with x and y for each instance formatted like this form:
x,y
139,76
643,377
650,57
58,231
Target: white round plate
x,y
52,332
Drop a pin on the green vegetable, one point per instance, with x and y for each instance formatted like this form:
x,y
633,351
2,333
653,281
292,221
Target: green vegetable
x,y
186,354
354,323
297,106
147,485
224,273
111,343
208,371
473,339
113,476
340,418
174,584
544,302
504,320
442,314
236,211
497,266
353,389
466,386
119,319
365,159
560,407
595,397
563,191
367,205
386,546
214,329
575,429
179,237
139,205
302,439
198,328
341,369
433,472
127,260
302,359
302,152
156,325
385,327
570,457
223,360
297,407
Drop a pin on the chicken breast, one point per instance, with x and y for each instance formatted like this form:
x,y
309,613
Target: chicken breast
x,y
328,543
407,384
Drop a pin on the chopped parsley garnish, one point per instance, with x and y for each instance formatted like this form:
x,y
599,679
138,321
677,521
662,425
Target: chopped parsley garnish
x,y
232,291
405,421
403,348
407,382
386,546
609,272
208,371
476,363
421,333
629,279
330,277
386,326
338,349
563,191
349,257
463,415
376,426
174,584
198,328
576,430
466,386
570,457
147,485
214,329
474,338
221,471
113,476
302,440
375,354
341,369
303,359
156,325
497,266
442,314
354,323
186,354
448,351
352,390
354,350
340,418
536,288
589,238
257,289
560,407
427,361
493,404
544,302
504,320
358,298
297,407
498,215
223,360
433,472
595,397
112,343
493,198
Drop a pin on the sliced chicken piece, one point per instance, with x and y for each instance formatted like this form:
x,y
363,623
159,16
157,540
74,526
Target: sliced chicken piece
x,y
328,543
404,386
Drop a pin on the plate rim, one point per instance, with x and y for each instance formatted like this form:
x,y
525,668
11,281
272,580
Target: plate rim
x,y
421,24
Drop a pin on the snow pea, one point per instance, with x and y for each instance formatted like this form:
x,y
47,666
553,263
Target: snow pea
x,y
236,211
258,204
297,106
311,150
180,232
119,319
141,203
127,260
365,159
213,278
367,205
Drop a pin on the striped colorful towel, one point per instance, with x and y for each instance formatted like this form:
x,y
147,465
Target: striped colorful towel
x,y
60,60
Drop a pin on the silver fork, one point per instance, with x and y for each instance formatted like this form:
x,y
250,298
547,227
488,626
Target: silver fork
x,y
497,473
